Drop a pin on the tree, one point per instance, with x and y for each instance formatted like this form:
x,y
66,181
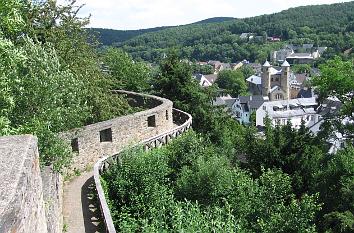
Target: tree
x,y
335,184
233,82
174,82
337,80
125,73
189,186
51,85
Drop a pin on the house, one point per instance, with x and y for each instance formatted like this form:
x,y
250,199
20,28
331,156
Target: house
x,y
273,39
237,65
244,106
204,82
257,67
254,84
225,101
306,93
226,66
280,55
201,63
302,58
245,35
211,78
297,54
321,50
298,84
294,110
217,66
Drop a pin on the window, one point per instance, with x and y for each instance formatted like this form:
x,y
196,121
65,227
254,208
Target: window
x,y
151,121
264,108
166,115
75,145
106,135
278,96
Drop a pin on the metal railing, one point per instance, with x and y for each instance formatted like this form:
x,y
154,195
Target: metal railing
x,y
180,118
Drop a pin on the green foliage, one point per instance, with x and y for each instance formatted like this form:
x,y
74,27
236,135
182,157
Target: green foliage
x,y
201,192
50,78
335,184
301,68
233,82
337,80
124,73
12,17
202,69
39,98
295,152
174,82
247,71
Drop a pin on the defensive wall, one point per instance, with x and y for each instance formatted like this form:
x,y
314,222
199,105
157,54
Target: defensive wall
x,y
31,197
105,138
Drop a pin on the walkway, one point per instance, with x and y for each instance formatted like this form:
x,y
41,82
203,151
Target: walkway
x,y
81,214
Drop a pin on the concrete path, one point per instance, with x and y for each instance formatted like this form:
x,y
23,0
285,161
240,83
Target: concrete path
x,y
81,211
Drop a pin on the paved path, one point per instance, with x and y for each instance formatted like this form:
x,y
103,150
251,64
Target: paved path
x,y
81,212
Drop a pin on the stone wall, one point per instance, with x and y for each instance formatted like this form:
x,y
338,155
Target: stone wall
x,y
108,137
22,208
53,199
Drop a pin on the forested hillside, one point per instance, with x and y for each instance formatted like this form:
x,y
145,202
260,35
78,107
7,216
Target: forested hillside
x,y
323,25
113,37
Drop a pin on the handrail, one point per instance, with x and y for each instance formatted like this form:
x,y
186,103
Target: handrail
x,y
156,141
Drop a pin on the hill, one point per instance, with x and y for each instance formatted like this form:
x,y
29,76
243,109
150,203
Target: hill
x,y
323,25
215,20
111,36
115,37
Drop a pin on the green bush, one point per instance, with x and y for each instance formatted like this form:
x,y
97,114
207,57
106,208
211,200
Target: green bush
x,y
207,193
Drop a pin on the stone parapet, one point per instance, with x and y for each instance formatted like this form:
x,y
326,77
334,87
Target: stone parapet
x,y
22,208
106,138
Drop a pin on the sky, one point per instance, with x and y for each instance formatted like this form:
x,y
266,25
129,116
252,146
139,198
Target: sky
x,y
139,14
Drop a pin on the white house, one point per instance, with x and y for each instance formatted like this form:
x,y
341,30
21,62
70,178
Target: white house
x,y
203,81
294,110
254,85
244,106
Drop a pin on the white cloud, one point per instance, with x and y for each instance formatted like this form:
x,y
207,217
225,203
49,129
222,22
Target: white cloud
x,y
136,14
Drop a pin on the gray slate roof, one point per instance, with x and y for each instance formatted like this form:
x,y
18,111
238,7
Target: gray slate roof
x,y
252,102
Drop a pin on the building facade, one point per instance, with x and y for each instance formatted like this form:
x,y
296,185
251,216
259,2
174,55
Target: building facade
x,y
275,83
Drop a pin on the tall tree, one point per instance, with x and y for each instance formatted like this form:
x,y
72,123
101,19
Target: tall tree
x,y
337,80
125,73
233,82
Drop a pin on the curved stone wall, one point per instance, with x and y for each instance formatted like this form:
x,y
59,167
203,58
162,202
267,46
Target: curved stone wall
x,y
183,122
106,138
24,208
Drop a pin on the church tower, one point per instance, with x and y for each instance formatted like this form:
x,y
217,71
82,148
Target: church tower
x,y
266,79
284,80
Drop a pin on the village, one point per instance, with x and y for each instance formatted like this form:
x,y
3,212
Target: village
x,y
275,90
